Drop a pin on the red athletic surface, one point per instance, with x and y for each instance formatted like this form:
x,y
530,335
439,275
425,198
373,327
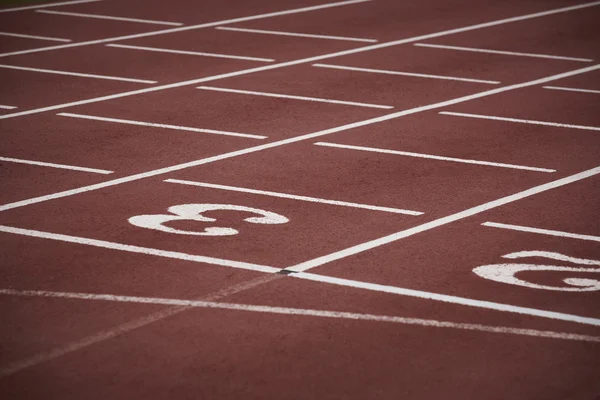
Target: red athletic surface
x,y
54,347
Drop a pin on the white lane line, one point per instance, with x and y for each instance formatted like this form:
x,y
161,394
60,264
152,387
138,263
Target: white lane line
x,y
388,72
429,156
3,107
113,18
304,266
53,165
166,126
291,140
287,96
137,249
508,53
20,35
306,35
299,312
448,299
522,121
190,53
529,229
62,3
294,197
569,89
51,71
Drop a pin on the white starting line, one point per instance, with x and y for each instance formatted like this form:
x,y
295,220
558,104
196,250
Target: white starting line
x,y
304,35
77,74
110,17
53,165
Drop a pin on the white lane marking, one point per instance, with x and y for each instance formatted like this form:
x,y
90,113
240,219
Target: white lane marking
x,y
165,126
432,157
53,165
542,231
299,311
113,18
191,27
294,197
137,249
569,89
3,107
286,96
448,299
287,141
388,72
522,121
20,35
191,53
441,221
62,3
508,53
51,71
551,255
306,35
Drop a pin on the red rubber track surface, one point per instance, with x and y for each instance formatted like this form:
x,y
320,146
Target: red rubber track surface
x,y
378,199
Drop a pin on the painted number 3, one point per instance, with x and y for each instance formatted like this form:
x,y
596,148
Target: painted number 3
x,y
194,212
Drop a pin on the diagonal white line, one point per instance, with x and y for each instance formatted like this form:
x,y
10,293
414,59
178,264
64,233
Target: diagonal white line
x,y
569,89
542,231
190,53
296,34
20,35
62,3
3,107
109,17
54,165
55,72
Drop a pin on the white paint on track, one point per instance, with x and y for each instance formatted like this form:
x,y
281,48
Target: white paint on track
x,y
165,126
508,53
294,197
360,248
287,96
20,35
110,17
3,107
412,74
432,157
287,141
569,89
549,232
52,71
521,121
304,35
137,249
62,3
190,53
53,165
299,312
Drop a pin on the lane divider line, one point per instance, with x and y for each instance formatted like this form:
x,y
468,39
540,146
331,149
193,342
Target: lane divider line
x,y
295,197
550,232
52,71
165,126
432,157
296,34
54,165
61,3
521,121
412,74
569,89
3,107
110,17
287,96
191,53
508,53
20,35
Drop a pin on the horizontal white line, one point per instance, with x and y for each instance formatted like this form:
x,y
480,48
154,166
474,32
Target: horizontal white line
x,y
568,89
51,71
522,121
285,96
306,35
137,249
542,231
383,71
191,53
508,53
166,126
448,299
53,165
420,155
301,312
295,197
20,35
97,16
7,107
62,3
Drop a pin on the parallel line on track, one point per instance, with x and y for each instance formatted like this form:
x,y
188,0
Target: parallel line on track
x,y
4,107
61,3
569,89
549,232
54,165
21,35
296,34
77,74
109,17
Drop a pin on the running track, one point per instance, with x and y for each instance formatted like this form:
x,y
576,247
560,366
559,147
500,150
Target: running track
x,y
364,199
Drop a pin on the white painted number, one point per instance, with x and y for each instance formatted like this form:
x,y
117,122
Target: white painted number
x,y
194,212
505,273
